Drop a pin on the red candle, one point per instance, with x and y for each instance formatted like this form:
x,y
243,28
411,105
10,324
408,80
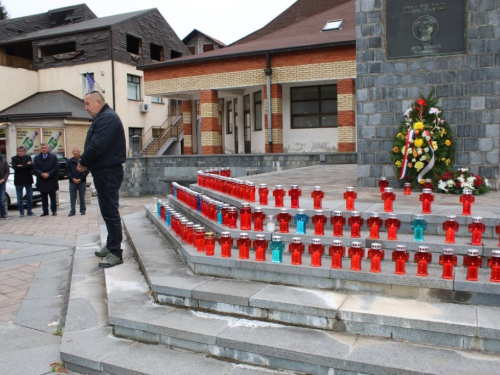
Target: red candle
x,y
350,195
317,195
232,214
244,244
184,230
319,220
260,245
250,191
337,251
473,262
400,256
428,184
392,223
316,249
199,239
355,221
407,188
294,193
376,254
190,233
245,216
422,258
296,247
356,252
467,199
477,228
209,244
426,198
374,222
263,194
284,220
494,264
388,197
258,219
226,243
497,231
448,260
338,222
450,226
383,183
278,195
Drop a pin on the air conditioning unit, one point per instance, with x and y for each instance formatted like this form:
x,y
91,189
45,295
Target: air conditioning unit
x,y
145,107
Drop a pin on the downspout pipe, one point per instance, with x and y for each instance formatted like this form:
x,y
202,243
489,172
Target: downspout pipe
x,y
112,69
269,71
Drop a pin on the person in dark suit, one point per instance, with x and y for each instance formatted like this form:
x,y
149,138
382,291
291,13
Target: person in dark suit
x,y
77,183
46,168
23,179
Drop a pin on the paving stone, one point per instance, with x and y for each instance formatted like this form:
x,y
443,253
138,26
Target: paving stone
x,y
228,291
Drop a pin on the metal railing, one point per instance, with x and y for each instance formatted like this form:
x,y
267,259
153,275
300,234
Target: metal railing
x,y
16,62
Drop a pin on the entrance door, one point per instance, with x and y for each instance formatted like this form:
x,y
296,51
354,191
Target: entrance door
x,y
246,125
236,150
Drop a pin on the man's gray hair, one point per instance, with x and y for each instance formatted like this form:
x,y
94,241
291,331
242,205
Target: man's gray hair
x,y
21,148
98,95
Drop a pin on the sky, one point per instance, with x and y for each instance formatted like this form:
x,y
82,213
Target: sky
x,y
225,20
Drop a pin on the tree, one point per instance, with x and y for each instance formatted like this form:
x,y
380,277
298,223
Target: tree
x,y
3,12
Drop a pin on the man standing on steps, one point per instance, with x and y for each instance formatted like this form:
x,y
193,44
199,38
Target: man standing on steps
x,y
104,153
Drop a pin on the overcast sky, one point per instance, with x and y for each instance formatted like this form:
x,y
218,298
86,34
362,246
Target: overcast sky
x,y
226,20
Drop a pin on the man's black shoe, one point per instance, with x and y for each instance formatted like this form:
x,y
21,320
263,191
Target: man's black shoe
x,y
71,214
45,214
54,213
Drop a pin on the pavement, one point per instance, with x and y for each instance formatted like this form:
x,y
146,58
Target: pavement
x,y
37,253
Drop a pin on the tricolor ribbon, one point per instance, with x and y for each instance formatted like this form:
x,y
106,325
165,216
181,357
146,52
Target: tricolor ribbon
x,y
404,168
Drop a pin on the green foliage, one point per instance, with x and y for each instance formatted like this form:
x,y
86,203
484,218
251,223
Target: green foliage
x,y
3,12
432,136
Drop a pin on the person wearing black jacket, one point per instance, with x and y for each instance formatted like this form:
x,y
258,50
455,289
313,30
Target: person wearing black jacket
x,y
23,179
46,168
77,183
103,154
4,175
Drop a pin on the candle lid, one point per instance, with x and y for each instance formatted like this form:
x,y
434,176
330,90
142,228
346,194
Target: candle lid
x,y
448,251
260,237
337,242
244,236
451,218
374,214
159,201
257,209
232,209
283,210
278,187
276,238
296,240
189,224
400,247
393,216
244,205
356,244
426,191
225,234
262,186
477,219
495,253
383,178
376,246
408,184
270,217
226,205
184,221
250,183
209,235
388,190
349,188
355,213
423,249
317,188
294,186
472,252
316,241
301,211
196,226
427,180
200,229
337,213
319,212
467,192
419,217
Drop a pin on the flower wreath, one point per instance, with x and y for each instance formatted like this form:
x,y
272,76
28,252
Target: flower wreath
x,y
423,148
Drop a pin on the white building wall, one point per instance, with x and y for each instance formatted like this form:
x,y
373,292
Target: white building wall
x,y
17,84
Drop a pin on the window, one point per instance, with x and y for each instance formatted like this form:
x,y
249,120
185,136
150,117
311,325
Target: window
x,y
156,52
333,25
134,45
208,47
157,99
192,50
314,106
257,110
133,87
175,54
56,49
229,118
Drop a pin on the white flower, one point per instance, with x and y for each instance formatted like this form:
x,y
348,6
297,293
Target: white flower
x,y
423,158
411,141
442,185
467,185
414,160
428,138
407,113
426,149
419,151
450,183
471,179
461,178
486,182
434,110
409,151
464,170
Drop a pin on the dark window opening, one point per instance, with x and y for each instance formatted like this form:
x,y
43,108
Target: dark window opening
x,y
156,52
257,110
24,51
314,107
56,49
175,54
208,47
229,118
134,45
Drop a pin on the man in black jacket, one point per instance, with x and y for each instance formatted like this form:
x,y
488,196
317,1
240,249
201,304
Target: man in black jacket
x,y
47,169
23,179
4,175
77,183
103,154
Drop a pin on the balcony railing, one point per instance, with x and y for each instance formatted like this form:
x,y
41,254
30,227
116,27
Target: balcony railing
x,y
16,62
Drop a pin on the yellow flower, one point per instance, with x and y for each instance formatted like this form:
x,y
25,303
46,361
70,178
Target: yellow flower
x,y
395,149
398,163
421,182
448,161
419,165
448,142
434,145
443,132
419,142
443,159
418,126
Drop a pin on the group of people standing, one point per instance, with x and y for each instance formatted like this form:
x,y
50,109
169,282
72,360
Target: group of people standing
x,y
104,155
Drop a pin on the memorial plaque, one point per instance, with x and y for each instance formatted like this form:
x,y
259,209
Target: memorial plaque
x,y
418,28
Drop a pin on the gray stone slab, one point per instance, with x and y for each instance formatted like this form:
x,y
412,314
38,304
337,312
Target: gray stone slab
x,y
125,281
35,360
228,291
227,308
178,283
483,285
407,313
419,336
87,348
309,346
252,370
161,360
41,314
17,338
382,357
298,300
487,322
192,325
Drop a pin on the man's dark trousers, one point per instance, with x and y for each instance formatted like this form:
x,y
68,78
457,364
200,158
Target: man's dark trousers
x,y
108,185
45,201
73,189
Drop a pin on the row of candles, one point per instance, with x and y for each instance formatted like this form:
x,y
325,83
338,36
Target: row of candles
x,y
245,190
226,215
193,234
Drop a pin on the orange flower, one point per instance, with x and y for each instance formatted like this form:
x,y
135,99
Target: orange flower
x,y
448,142
395,149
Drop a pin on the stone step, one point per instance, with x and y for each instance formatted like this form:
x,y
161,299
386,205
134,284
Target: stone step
x,y
464,326
88,343
256,341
